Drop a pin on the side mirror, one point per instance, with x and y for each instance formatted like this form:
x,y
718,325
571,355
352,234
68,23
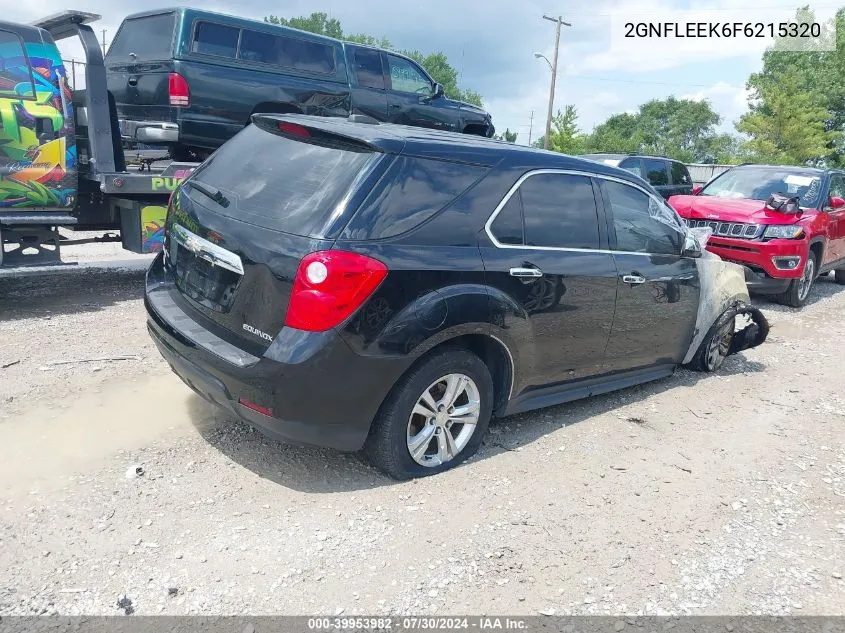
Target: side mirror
x,y
697,190
439,91
836,202
692,248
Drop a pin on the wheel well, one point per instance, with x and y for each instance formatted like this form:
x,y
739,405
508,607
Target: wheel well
x,y
497,358
817,249
272,107
476,128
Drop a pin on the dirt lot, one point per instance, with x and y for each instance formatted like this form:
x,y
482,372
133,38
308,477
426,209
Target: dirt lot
x,y
697,494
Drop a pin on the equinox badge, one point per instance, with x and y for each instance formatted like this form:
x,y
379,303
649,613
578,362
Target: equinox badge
x,y
257,332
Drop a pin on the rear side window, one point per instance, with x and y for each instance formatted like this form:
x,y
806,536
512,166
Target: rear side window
x,y
281,184
144,39
560,211
15,71
412,191
368,69
215,39
680,174
508,227
656,172
287,52
642,223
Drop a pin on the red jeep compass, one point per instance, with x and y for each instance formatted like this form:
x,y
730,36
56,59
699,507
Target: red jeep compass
x,y
782,247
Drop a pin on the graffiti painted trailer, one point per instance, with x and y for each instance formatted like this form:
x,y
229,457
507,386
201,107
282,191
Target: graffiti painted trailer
x,y
61,160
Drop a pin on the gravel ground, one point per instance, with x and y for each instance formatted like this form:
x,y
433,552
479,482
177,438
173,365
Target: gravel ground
x,y
719,494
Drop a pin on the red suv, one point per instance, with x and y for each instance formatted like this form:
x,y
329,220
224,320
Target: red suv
x,y
782,251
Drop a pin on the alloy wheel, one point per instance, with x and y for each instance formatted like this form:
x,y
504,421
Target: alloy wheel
x,y
806,279
443,420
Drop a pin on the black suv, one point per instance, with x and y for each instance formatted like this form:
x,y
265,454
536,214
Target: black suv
x,y
349,284
669,177
188,80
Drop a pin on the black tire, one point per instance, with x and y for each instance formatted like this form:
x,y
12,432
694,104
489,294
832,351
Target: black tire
x,y
387,444
716,344
796,294
839,276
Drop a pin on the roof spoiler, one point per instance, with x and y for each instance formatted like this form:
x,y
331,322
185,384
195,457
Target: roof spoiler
x,y
316,130
64,25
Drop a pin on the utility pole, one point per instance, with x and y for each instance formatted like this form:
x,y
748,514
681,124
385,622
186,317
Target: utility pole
x,y
558,22
530,128
104,41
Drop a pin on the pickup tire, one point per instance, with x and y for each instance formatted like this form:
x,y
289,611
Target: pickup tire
x,y
839,276
799,289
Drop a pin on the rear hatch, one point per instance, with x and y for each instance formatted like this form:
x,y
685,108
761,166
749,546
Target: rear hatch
x,y
138,66
239,227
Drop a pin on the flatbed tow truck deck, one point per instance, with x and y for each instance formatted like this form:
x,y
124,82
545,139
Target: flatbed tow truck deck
x,y
128,202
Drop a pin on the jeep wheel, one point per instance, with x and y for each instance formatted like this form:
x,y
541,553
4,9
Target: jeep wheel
x,y
839,276
799,289
435,417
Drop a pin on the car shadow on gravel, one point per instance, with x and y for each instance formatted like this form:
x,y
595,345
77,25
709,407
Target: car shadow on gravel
x,y
301,468
823,288
69,291
316,470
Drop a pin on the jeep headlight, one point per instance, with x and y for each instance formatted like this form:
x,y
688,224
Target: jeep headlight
x,y
783,232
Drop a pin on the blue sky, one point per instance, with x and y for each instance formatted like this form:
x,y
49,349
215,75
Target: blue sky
x,y
492,44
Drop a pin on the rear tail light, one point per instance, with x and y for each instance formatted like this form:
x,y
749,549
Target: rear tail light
x,y
329,286
180,93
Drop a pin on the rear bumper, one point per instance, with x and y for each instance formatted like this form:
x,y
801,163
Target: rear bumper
x,y
318,391
151,132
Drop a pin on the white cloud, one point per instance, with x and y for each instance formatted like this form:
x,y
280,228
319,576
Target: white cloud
x,y
730,101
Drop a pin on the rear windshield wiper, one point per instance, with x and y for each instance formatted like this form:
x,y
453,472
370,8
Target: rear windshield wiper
x,y
212,192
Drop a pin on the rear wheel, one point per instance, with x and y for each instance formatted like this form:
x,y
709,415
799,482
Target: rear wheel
x,y
799,289
435,417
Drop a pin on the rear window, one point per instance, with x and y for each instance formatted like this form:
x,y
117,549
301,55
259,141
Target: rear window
x,y
412,191
281,184
144,39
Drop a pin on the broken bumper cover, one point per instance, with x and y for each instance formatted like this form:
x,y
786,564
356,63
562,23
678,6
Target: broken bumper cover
x,y
753,332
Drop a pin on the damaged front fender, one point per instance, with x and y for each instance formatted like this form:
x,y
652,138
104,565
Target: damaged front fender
x,y
726,322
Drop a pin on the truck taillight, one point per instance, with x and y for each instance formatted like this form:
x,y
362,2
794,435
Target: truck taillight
x,y
180,93
329,286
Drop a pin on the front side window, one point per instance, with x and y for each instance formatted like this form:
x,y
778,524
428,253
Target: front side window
x,y
560,211
215,39
368,69
15,71
632,165
655,171
680,174
642,223
407,77
837,186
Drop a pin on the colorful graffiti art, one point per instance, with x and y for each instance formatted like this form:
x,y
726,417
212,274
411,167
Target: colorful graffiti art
x,y
38,162
152,228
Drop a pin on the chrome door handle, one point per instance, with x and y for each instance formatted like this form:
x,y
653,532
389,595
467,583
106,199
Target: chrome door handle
x,y
526,272
633,279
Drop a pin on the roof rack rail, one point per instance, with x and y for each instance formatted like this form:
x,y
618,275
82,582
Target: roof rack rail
x,y
362,118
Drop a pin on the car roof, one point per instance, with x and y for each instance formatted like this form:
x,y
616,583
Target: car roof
x,y
812,170
451,146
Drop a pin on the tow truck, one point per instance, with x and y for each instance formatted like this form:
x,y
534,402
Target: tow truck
x,y
62,162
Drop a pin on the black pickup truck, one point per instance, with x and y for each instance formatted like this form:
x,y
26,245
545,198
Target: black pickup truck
x,y
189,80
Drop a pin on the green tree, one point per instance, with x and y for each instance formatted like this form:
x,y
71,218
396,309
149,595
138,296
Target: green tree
x,y
565,136
812,72
786,124
507,135
436,64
